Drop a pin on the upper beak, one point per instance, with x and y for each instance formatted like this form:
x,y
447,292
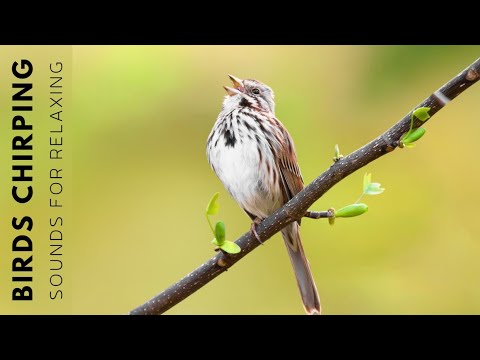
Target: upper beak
x,y
237,86
236,81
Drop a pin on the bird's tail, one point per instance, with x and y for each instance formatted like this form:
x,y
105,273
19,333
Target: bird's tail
x,y
301,267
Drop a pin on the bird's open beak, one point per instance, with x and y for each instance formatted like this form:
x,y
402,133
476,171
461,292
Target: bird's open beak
x,y
237,86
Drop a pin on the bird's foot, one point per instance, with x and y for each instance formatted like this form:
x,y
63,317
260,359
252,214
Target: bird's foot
x,y
254,231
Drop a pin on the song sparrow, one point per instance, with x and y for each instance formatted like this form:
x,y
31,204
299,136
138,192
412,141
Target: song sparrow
x,y
254,157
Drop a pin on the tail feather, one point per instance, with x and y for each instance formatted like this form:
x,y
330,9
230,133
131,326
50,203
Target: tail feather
x,y
301,267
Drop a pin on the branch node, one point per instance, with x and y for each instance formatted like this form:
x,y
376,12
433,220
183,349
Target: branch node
x,y
390,145
472,75
221,262
331,213
389,148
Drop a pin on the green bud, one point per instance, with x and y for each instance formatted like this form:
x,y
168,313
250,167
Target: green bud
x,y
422,113
352,210
337,156
220,232
213,206
230,247
370,188
414,136
367,180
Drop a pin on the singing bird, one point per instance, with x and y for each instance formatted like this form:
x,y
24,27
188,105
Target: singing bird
x,y
253,155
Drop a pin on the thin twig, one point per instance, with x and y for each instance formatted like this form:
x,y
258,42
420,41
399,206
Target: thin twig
x,y
319,214
297,207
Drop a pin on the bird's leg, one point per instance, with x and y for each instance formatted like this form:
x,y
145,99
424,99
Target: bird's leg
x,y
255,222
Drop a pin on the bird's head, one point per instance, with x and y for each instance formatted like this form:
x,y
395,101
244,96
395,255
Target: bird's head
x,y
251,93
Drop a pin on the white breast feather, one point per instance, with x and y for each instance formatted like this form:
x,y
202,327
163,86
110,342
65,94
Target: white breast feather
x,y
238,168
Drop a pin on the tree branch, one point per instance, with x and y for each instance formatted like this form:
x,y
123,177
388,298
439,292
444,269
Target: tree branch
x,y
297,207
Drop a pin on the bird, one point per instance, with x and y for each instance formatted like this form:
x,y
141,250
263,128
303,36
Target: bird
x,y
254,156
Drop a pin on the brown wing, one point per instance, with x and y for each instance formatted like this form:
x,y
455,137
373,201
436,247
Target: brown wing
x,y
287,164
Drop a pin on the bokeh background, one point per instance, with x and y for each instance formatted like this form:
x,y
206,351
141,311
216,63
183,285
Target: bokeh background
x,y
141,179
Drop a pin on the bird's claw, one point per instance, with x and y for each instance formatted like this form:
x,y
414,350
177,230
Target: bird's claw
x,y
254,231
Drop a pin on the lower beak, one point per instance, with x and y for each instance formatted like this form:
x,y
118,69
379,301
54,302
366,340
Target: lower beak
x,y
232,91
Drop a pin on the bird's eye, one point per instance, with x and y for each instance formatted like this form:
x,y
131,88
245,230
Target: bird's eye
x,y
255,91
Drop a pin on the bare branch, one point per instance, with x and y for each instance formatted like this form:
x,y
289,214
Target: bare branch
x,y
297,207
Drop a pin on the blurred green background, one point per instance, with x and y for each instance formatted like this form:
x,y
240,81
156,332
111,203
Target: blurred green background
x,y
141,179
